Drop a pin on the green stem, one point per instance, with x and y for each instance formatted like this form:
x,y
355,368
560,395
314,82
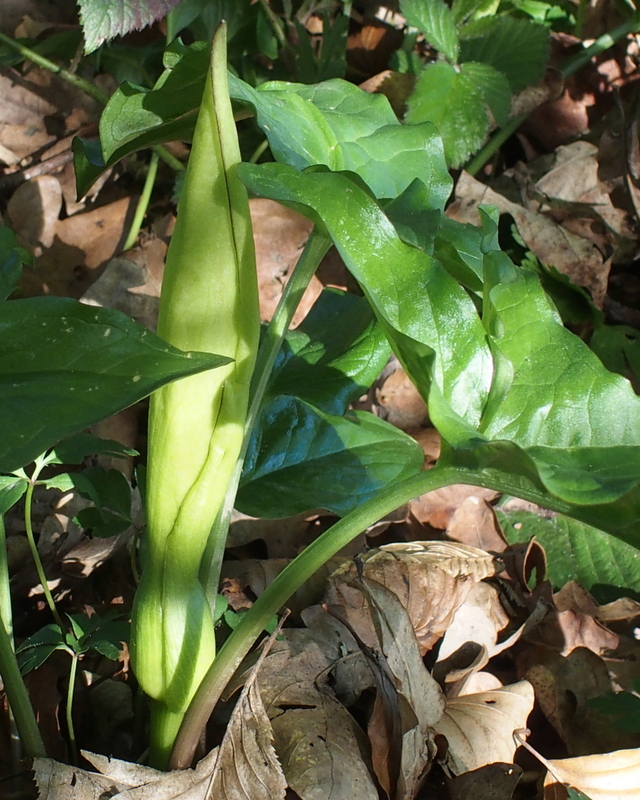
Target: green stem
x,y
164,728
602,43
143,203
571,66
5,591
310,560
18,699
313,253
28,499
274,22
7,619
259,151
577,31
69,710
494,144
80,83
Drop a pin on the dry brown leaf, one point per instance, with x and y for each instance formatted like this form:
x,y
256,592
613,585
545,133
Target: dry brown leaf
x,y
400,402
34,210
474,522
34,102
120,779
479,727
81,244
280,234
113,290
606,776
431,580
574,181
436,508
320,749
420,696
572,255
247,767
319,743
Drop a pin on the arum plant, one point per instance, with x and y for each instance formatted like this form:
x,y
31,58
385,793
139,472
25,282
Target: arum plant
x,y
209,303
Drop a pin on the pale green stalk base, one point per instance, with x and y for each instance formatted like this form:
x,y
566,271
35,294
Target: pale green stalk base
x,y
165,725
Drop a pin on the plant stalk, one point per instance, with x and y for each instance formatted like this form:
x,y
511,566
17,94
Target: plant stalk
x,y
69,710
309,561
19,699
143,203
28,499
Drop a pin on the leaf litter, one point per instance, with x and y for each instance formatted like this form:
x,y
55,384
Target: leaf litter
x,y
421,657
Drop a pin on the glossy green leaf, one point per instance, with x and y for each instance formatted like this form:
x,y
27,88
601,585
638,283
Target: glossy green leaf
x,y
618,347
552,396
333,123
35,650
463,9
459,102
105,488
334,355
11,490
336,124
518,48
435,20
605,566
430,320
132,111
65,366
301,458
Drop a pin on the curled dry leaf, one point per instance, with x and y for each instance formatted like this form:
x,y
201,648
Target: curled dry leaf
x,y
420,702
479,727
120,779
431,580
606,776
